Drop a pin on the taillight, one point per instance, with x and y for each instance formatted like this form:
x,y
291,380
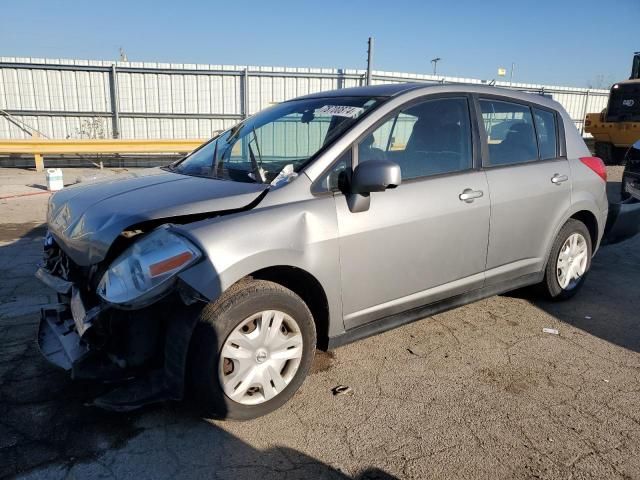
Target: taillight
x,y
597,165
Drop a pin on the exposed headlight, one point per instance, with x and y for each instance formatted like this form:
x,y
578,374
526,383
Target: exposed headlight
x,y
146,269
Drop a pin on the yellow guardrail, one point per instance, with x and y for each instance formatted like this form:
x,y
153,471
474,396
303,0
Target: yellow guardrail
x,y
39,147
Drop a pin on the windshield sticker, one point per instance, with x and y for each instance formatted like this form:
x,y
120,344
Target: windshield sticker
x,y
339,111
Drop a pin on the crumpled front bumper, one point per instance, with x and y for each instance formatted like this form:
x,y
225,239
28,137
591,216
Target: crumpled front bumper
x,y
63,342
58,339
63,325
64,339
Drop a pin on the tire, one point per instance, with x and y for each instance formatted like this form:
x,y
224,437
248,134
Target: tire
x,y
551,283
225,320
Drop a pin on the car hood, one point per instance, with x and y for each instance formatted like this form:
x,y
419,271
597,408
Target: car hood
x,y
86,218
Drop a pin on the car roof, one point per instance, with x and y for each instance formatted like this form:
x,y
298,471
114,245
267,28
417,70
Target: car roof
x,y
384,90
397,89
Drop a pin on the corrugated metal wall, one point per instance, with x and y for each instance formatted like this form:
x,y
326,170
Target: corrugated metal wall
x,y
75,98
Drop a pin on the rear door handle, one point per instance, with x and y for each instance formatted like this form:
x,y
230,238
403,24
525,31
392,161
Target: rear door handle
x,y
469,195
558,179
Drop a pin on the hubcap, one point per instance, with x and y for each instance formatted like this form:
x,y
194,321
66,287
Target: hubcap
x,y
572,261
260,357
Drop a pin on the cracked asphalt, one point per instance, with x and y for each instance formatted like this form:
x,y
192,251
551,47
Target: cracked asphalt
x,y
477,392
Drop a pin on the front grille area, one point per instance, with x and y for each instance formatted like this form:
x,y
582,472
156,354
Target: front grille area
x,y
59,264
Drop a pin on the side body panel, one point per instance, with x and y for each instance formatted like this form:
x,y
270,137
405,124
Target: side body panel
x,y
526,208
415,245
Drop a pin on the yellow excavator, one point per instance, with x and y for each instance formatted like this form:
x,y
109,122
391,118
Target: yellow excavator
x,y
617,127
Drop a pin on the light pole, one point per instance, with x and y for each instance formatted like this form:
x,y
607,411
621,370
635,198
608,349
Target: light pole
x,y
369,60
435,65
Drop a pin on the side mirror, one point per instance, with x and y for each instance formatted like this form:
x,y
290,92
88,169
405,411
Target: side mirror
x,y
375,176
371,176
636,145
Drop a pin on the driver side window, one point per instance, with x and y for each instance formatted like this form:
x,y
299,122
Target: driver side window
x,y
430,138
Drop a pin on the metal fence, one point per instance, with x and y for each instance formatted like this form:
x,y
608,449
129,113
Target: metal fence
x,y
134,100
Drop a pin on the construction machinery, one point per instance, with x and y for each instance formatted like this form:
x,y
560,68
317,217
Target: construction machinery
x,y
617,127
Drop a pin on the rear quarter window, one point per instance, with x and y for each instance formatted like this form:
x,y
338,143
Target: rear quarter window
x,y
547,133
510,132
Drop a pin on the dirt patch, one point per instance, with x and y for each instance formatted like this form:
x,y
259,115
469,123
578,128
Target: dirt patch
x,y
510,381
323,361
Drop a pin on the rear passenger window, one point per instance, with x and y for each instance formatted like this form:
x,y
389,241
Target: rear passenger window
x,y
430,138
510,132
546,129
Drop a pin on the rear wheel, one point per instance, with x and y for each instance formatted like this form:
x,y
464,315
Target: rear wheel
x,y
251,350
569,261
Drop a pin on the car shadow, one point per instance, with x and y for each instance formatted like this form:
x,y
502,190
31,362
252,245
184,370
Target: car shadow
x,y
38,186
608,305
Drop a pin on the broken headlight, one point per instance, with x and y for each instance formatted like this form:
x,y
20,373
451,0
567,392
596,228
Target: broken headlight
x,y
145,270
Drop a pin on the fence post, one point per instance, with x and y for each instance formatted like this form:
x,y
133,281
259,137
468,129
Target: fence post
x,y
584,111
115,108
37,157
39,162
244,98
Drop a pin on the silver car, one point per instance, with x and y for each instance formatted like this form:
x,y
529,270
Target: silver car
x,y
314,223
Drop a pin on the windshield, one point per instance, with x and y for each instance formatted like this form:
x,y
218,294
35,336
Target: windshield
x,y
282,138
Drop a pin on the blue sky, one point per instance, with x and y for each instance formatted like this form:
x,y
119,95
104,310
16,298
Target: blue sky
x,y
567,42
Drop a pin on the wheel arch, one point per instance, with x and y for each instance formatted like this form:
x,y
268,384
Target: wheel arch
x,y
307,287
591,222
586,215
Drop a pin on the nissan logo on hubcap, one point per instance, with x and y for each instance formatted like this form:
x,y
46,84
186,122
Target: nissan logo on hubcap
x,y
261,356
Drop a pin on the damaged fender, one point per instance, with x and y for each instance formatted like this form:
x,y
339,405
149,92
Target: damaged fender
x,y
275,233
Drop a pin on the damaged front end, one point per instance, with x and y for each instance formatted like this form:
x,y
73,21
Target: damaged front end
x,y
127,323
113,254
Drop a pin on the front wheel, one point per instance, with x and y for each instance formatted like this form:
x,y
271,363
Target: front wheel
x,y
569,261
251,350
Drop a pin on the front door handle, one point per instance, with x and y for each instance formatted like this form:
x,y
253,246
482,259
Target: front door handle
x,y
558,179
469,195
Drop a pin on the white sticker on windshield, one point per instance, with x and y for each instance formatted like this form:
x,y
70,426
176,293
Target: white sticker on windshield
x,y
339,111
